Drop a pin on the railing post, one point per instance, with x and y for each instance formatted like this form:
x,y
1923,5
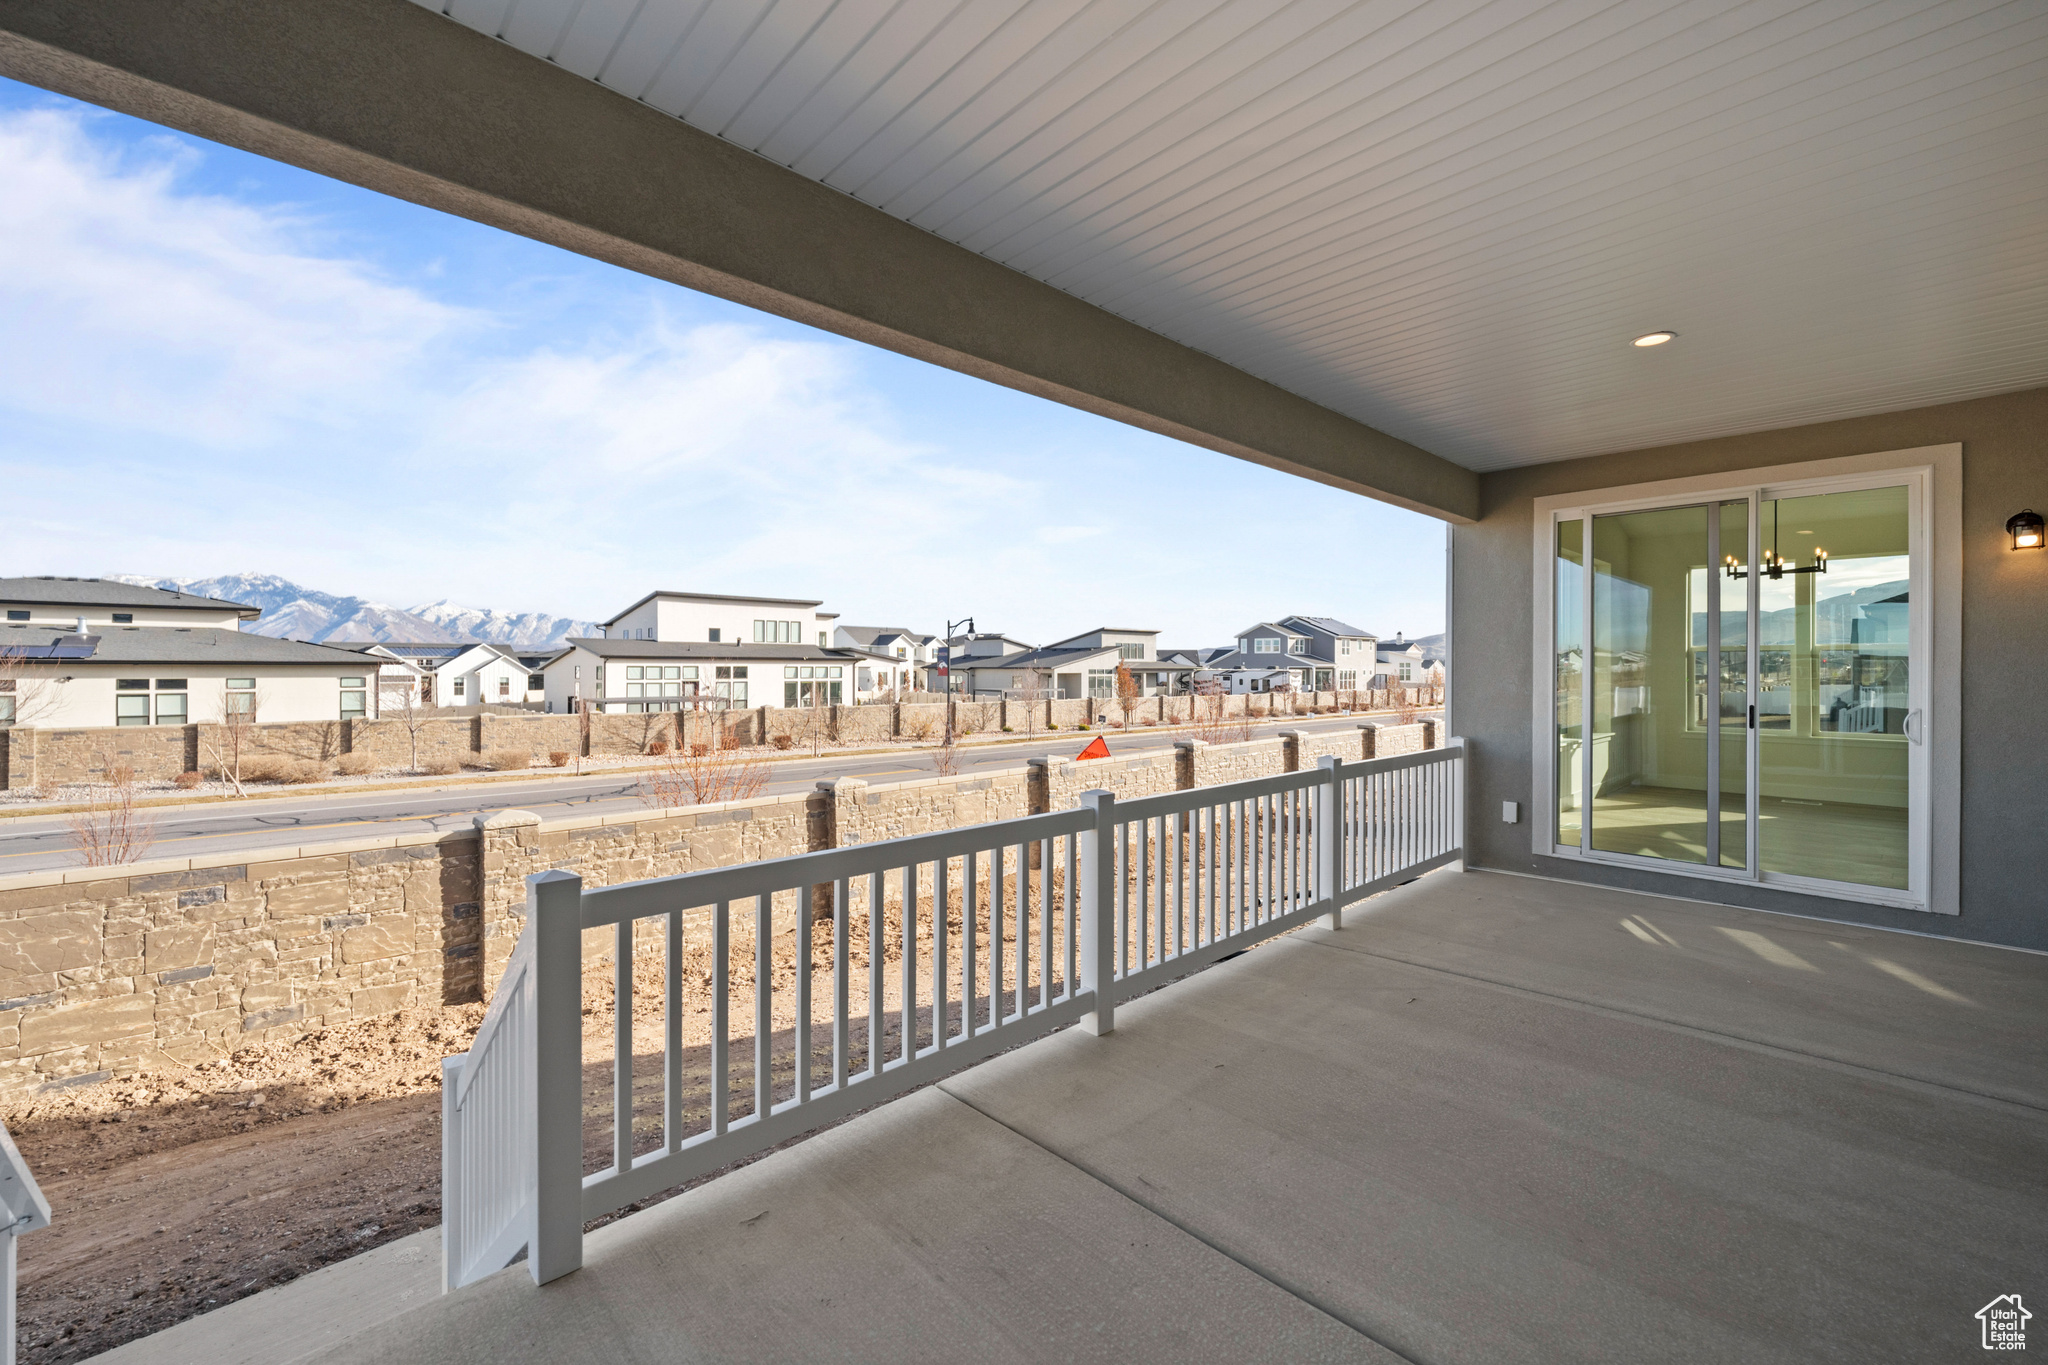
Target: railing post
x,y
1329,836
1098,911
554,907
1457,743
7,1327
451,1171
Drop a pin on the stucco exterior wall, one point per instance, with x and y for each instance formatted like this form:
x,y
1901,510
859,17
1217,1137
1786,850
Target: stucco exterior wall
x,y
2004,861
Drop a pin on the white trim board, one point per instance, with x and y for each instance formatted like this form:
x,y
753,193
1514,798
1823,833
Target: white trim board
x,y
1939,469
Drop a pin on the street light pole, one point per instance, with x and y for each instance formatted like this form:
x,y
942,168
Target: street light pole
x,y
946,669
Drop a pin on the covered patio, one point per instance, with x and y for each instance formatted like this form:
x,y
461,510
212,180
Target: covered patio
x,y
1492,1118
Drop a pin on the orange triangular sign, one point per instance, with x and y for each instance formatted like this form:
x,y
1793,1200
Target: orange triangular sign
x,y
1097,748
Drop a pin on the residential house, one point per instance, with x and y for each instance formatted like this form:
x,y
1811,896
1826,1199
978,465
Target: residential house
x,y
899,657
78,652
713,618
464,674
659,675
1083,665
1304,653
1402,663
671,650
960,650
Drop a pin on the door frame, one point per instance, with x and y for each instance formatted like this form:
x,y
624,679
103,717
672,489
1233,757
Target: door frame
x,y
1934,474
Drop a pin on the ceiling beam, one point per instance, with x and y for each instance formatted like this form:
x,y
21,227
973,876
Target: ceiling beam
x,y
389,96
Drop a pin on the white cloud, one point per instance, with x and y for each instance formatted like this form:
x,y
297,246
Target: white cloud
x,y
180,313
192,383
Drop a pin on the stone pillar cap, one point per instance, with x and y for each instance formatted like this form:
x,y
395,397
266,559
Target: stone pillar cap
x,y
506,819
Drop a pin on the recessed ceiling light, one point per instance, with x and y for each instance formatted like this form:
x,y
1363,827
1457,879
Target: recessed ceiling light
x,y
1655,338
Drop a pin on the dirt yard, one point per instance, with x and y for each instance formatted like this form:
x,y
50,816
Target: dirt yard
x,y
191,1187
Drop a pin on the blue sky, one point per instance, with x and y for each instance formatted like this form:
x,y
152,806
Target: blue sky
x,y
212,363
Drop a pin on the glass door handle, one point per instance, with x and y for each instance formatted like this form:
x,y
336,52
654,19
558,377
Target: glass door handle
x,y
1912,726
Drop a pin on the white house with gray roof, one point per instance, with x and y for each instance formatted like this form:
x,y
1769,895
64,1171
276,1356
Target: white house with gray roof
x,y
88,652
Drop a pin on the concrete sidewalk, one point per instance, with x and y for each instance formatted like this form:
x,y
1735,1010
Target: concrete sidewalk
x,y
1493,1119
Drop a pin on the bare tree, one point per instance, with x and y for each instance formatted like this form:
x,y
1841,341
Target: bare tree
x,y
110,829
1033,696
227,745
946,759
413,717
28,688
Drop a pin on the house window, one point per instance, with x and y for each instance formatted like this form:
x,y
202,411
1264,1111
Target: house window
x,y
1347,680
131,710
7,701
352,701
131,684
1407,672
13,615
1297,646
714,635
504,686
458,686
1266,644
241,697
170,684
124,618
536,682
729,685
1102,682
1130,651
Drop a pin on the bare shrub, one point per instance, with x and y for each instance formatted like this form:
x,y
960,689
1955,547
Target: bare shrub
x,y
111,830
355,765
946,760
507,760
705,775
785,741
440,767
1211,724
187,781
657,747
225,746
917,727
297,772
558,758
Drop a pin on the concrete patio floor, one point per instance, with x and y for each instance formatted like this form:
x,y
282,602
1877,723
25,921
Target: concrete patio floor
x,y
1492,1119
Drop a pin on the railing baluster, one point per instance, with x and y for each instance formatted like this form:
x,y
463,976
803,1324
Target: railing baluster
x,y
997,904
721,1013
672,1035
877,931
1073,842
842,925
942,933
1120,853
1044,923
806,907
764,998
622,1045
909,973
1023,918
1144,894
970,955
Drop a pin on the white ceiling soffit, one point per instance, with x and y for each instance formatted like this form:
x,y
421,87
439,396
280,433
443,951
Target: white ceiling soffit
x,y
1444,218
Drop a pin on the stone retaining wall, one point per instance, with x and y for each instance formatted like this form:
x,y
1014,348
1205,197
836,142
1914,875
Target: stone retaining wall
x,y
102,969
31,758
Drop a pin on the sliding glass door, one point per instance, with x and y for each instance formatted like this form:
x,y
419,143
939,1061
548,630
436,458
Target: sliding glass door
x,y
1733,685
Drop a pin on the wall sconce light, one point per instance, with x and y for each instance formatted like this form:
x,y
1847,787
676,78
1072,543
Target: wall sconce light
x,y
2025,528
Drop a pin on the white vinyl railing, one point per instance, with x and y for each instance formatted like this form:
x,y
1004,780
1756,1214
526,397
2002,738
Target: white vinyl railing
x,y
795,991
23,1207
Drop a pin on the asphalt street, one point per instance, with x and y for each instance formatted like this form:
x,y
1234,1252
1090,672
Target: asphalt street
x,y
35,843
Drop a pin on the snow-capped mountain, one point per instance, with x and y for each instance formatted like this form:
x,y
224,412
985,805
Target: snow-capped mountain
x,y
300,613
